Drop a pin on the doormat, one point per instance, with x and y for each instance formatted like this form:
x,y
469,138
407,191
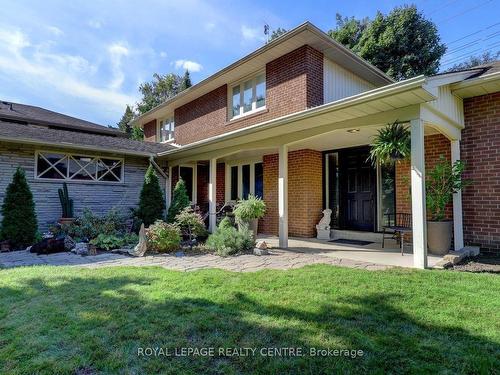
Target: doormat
x,y
351,242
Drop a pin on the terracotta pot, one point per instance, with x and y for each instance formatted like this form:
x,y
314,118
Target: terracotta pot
x,y
439,236
66,220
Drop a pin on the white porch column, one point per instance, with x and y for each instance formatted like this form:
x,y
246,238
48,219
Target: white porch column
x,y
212,195
458,234
418,207
283,196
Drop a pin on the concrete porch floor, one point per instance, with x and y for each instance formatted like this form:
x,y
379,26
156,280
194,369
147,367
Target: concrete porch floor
x,y
373,253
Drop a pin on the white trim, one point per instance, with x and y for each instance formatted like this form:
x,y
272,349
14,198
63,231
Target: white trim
x,y
212,195
92,174
458,228
240,164
283,195
171,132
241,84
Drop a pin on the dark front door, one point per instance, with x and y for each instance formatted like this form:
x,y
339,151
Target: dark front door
x,y
358,189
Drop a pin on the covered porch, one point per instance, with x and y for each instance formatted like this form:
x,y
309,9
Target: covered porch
x,y
286,162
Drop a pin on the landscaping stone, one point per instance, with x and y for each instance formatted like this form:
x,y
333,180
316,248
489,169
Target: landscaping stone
x,y
258,251
69,243
81,248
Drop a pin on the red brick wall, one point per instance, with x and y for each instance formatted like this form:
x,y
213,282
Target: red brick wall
x,y
435,145
221,184
294,82
305,193
480,150
150,131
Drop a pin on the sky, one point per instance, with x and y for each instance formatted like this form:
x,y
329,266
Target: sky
x,y
87,58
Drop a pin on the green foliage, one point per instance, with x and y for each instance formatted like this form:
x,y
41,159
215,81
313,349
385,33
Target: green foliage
x,y
151,200
19,223
137,134
123,124
66,202
180,200
185,82
88,226
163,237
277,33
155,92
112,241
393,142
474,61
191,224
227,240
248,209
443,181
403,44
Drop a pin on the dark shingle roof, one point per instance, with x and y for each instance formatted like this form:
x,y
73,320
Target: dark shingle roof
x,y
36,115
15,132
488,68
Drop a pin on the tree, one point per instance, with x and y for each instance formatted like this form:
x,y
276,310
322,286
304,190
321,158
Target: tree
x,y
473,61
277,33
161,88
186,81
403,44
137,134
19,223
123,124
180,200
151,200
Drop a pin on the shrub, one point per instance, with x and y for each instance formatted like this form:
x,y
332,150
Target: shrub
x,y
163,237
19,223
151,200
248,209
227,240
191,224
109,242
89,226
180,200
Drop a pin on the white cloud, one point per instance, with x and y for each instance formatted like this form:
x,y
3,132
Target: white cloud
x,y
62,72
252,33
55,30
163,54
95,24
188,65
117,51
209,26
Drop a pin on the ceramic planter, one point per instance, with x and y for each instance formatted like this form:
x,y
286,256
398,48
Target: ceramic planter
x,y
439,236
66,220
253,225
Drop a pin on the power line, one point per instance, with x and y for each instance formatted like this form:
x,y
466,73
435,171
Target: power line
x,y
461,60
465,11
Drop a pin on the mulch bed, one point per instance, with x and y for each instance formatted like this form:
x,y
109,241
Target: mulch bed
x,y
482,263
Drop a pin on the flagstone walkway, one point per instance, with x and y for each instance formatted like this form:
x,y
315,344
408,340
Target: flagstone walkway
x,y
277,259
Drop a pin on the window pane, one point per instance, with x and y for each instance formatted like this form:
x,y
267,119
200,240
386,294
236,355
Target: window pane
x,y
57,166
81,168
234,183
388,174
172,128
259,180
247,96
245,176
260,91
186,174
236,100
109,170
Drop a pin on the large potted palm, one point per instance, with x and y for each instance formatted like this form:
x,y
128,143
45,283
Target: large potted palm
x,y
444,180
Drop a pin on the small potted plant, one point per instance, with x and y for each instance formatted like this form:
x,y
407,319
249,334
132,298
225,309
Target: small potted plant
x,y
442,182
247,212
391,144
66,206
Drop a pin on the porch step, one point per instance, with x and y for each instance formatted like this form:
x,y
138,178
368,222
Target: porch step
x,y
336,234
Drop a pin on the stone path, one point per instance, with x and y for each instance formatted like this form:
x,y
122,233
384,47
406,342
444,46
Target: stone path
x,y
277,259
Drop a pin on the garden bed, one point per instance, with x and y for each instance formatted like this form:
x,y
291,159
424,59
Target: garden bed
x,y
482,263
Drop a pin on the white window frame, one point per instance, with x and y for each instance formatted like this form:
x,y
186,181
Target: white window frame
x,y
241,83
171,132
240,164
67,156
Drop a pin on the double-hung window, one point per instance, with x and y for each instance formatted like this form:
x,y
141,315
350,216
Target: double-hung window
x,y
167,127
248,96
243,179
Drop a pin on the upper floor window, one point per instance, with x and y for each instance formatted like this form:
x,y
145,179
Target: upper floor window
x,y
167,129
63,166
248,96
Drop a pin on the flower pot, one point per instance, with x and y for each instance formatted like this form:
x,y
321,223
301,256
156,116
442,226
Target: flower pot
x,y
66,220
253,225
439,236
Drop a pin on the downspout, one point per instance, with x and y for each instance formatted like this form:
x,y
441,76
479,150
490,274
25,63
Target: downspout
x,y
164,175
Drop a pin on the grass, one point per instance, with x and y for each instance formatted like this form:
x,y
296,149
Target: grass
x,y
71,320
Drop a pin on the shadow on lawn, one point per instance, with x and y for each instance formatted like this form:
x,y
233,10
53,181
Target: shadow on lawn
x,y
96,324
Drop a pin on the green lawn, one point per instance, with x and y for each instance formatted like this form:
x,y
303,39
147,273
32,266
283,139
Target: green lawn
x,y
70,320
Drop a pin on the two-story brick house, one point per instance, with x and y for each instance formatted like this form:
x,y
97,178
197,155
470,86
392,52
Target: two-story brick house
x,y
291,123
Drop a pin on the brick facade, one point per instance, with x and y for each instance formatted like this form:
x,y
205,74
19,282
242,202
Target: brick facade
x,y
150,131
305,193
480,150
435,145
294,82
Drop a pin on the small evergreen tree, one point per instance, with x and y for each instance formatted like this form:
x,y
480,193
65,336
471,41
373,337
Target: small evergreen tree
x,y
123,124
186,81
180,200
19,223
151,201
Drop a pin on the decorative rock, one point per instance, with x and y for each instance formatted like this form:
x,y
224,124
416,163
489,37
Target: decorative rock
x,y
140,249
258,251
262,245
69,243
81,248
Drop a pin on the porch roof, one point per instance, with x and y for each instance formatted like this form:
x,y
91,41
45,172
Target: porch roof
x,y
399,100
